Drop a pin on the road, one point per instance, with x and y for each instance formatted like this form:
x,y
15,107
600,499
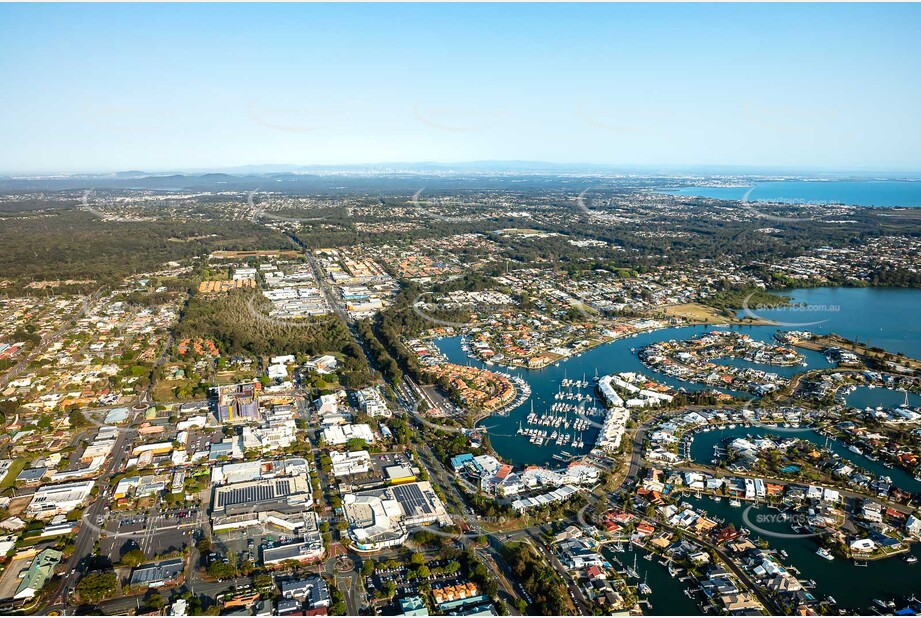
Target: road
x,y
491,554
93,518
326,288
532,537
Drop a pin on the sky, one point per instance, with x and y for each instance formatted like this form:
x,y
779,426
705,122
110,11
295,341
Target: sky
x,y
110,87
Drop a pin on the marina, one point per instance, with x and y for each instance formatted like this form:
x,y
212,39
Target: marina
x,y
660,583
856,318
546,389
559,397
566,421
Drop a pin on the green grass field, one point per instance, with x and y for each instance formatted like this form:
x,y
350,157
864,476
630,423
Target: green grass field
x,y
13,472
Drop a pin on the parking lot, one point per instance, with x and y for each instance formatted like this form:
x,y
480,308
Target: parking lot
x,y
379,462
406,585
248,543
154,532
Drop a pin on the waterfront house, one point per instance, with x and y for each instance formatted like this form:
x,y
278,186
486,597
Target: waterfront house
x,y
913,526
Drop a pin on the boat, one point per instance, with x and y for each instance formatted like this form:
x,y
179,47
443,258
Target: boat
x,y
824,553
735,502
911,559
832,600
631,571
644,587
854,449
884,604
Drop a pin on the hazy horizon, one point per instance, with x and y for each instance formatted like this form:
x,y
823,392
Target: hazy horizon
x,y
534,167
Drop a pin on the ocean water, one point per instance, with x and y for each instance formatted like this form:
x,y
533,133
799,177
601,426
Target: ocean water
x,y
880,193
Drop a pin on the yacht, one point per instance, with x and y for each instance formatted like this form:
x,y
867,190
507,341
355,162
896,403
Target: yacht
x,y
911,559
644,587
824,553
631,571
735,502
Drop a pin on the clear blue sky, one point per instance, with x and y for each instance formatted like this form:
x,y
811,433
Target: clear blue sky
x,y
158,87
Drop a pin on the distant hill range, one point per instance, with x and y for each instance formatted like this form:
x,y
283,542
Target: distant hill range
x,y
399,177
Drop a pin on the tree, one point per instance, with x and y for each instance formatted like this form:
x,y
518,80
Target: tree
x,y
246,567
263,580
389,589
155,601
356,444
221,570
96,586
133,557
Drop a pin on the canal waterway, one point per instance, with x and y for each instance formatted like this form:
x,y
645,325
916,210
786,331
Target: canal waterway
x,y
853,587
884,317
614,357
704,442
667,598
866,397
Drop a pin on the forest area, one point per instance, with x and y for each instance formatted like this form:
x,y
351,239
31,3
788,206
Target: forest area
x,y
237,322
73,244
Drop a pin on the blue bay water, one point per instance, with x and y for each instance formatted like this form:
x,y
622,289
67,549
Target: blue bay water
x,y
883,317
880,193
